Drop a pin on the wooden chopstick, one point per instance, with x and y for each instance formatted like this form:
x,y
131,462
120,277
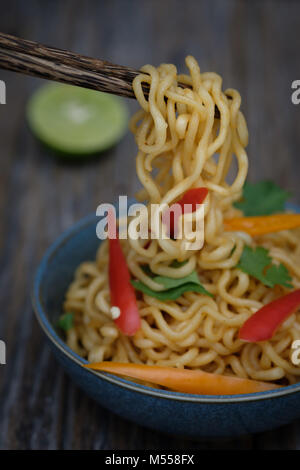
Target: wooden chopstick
x,y
32,58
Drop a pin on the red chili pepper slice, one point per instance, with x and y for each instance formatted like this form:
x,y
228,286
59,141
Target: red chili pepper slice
x,y
122,294
262,325
192,197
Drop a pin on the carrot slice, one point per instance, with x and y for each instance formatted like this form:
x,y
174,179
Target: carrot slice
x,y
261,225
184,380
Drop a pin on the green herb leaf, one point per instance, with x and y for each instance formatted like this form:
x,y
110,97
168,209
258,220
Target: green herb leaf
x,y
174,288
66,321
170,282
258,263
170,294
254,261
147,270
262,198
279,275
233,250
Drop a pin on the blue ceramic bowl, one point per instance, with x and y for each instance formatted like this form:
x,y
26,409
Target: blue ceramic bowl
x,y
192,416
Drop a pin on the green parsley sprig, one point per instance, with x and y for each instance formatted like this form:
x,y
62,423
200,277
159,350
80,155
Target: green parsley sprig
x,y
173,288
262,198
66,321
258,263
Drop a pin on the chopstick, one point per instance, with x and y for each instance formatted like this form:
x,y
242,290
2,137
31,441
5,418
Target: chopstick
x,y
31,58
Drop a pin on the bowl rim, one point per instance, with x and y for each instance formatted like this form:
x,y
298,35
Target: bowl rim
x,y
49,330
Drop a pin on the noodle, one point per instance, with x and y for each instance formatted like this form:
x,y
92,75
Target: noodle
x,y
180,146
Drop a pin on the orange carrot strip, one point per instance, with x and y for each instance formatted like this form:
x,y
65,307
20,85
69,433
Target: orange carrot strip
x,y
261,225
184,380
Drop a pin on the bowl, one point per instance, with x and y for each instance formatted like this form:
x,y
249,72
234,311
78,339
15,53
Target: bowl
x,y
189,416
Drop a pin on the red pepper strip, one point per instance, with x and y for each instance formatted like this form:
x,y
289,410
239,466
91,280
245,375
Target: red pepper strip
x,y
122,294
192,197
262,325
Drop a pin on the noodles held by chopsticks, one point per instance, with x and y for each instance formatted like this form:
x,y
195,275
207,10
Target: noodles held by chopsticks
x,y
181,145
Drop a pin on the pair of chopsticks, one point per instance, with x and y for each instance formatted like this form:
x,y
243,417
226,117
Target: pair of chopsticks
x,y
32,58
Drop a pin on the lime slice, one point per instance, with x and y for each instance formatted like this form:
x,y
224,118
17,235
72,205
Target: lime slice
x,y
76,121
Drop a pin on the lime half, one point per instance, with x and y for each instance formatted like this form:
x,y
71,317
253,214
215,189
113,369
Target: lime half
x,y
76,121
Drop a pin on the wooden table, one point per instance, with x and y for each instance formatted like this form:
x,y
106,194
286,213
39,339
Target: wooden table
x,y
255,46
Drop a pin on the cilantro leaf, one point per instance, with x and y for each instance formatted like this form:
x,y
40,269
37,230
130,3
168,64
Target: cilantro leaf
x,y
174,288
170,282
279,275
258,263
254,261
147,270
262,198
170,294
66,321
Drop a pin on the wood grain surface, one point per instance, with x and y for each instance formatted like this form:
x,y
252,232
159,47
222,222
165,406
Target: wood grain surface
x,y
255,46
38,60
